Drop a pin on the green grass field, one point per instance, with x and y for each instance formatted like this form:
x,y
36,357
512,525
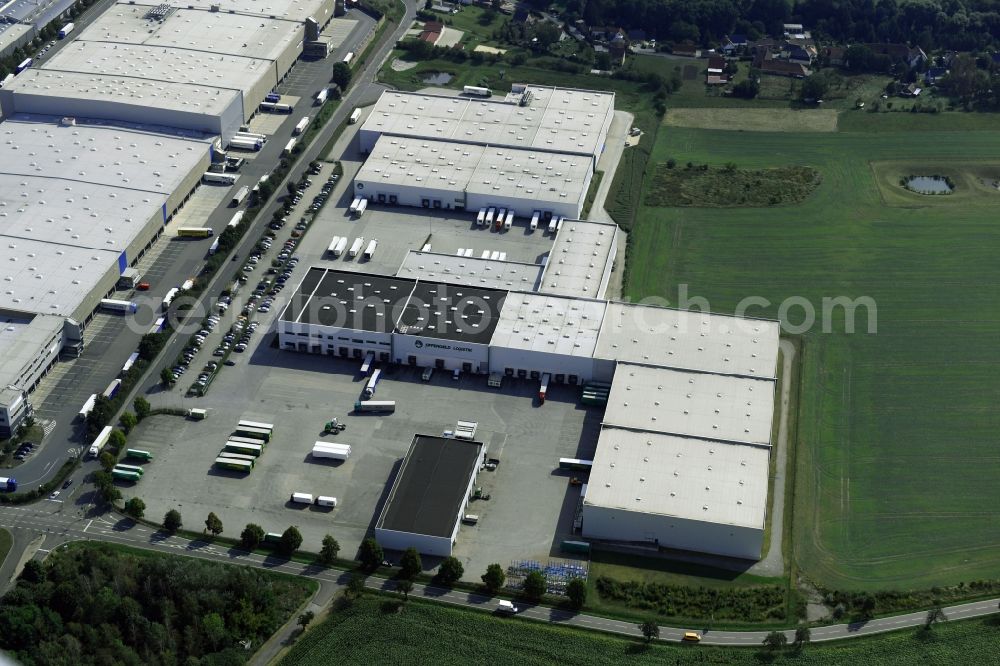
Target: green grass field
x,y
6,541
371,632
897,464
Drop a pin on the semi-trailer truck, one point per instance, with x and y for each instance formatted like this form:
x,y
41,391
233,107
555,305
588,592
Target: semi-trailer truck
x,y
120,307
324,500
355,117
288,147
332,248
373,381
356,247
301,126
375,406
362,205
65,30
8,484
238,198
322,96
302,498
478,91
341,246
88,406
370,250
221,178
245,143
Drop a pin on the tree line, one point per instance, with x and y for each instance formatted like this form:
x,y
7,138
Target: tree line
x,y
931,24
96,604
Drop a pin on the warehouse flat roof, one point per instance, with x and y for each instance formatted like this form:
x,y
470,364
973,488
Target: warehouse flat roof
x,y
161,64
206,100
694,479
47,278
452,312
551,324
346,299
471,271
681,402
689,339
553,119
222,32
21,337
430,488
579,258
297,10
488,170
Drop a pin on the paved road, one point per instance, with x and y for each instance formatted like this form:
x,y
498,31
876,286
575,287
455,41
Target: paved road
x,y
61,522
107,350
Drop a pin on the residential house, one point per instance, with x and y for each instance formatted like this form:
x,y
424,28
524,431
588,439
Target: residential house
x,y
799,54
768,64
734,44
688,49
637,35
834,55
912,56
795,31
618,47
431,32
934,74
716,74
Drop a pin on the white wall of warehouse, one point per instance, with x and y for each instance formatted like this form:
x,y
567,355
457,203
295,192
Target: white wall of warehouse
x,y
331,339
424,543
502,358
428,350
441,195
672,532
525,204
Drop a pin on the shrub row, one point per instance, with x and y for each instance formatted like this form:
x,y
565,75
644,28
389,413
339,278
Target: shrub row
x,y
746,604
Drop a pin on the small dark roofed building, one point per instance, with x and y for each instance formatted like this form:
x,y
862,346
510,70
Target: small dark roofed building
x,y
687,49
429,495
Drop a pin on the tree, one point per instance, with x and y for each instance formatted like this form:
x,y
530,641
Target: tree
x,y
650,630
129,421
356,586
135,507
775,640
117,440
534,585
305,619
150,346
934,615
105,484
749,87
213,524
166,377
172,521
251,536
494,578
410,563
341,74
328,553
576,591
142,407
291,539
33,572
813,89
544,36
370,554
107,461
802,636
405,586
450,571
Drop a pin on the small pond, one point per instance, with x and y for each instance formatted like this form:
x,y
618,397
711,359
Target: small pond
x,y
929,185
438,78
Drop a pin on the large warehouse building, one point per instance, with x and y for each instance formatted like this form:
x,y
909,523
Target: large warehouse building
x,y
198,65
429,494
534,149
682,458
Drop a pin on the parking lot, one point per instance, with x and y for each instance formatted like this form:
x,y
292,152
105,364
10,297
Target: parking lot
x,y
298,393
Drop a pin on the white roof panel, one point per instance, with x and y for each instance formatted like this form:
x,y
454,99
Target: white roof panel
x,y
680,402
690,478
471,271
689,339
553,324
579,258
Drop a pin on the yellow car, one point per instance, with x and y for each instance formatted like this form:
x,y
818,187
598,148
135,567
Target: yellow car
x,y
691,636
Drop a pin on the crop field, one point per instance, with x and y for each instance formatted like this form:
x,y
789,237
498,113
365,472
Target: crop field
x,y
754,120
728,186
897,460
382,630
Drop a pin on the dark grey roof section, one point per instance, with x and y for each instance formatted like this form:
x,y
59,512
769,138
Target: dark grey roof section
x,y
347,299
452,312
430,488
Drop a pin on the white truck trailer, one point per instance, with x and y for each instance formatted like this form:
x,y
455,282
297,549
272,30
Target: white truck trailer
x,y
356,247
370,250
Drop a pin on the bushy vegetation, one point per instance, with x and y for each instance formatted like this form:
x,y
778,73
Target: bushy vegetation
x,y
100,604
868,604
746,604
702,185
